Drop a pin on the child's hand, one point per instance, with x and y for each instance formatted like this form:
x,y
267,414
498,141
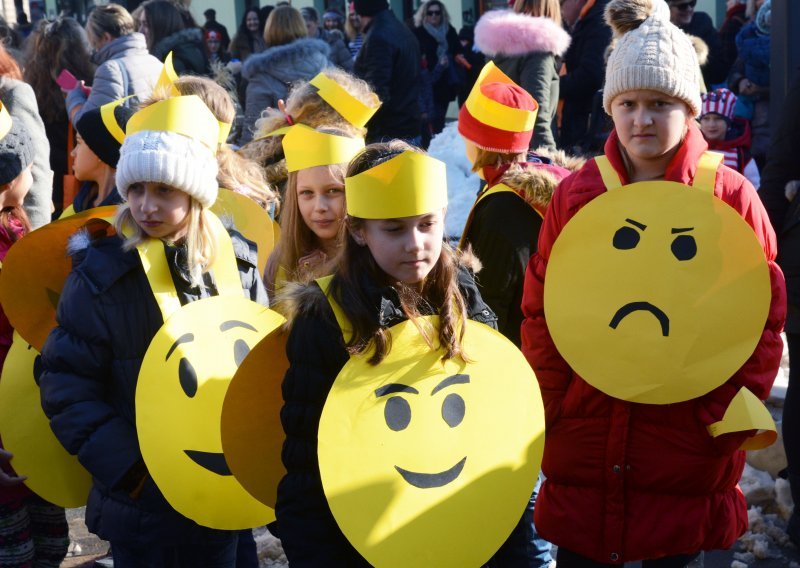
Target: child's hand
x,y
6,479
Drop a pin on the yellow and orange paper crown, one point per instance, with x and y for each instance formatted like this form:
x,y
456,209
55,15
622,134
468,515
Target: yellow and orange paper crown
x,y
352,110
187,115
498,115
407,185
305,147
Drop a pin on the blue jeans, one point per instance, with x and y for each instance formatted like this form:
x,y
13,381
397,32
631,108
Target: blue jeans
x,y
214,554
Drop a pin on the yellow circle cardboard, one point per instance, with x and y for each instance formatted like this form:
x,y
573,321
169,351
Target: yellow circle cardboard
x,y
250,220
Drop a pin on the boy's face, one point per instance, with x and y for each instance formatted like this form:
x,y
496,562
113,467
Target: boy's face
x,y
649,123
713,126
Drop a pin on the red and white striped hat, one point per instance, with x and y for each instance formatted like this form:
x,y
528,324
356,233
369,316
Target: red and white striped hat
x,y
721,102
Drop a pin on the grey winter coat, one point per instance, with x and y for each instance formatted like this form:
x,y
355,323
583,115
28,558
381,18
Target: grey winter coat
x,y
20,101
340,53
124,68
529,50
270,74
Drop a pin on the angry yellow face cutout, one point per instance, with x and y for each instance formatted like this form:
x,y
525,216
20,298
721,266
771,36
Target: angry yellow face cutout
x,y
656,292
414,451
179,396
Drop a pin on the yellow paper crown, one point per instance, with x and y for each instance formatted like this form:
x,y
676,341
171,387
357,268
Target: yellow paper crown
x,y
305,147
494,113
5,121
187,115
110,121
407,185
353,110
166,82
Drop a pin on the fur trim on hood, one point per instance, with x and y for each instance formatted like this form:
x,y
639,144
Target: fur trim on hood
x,y
504,32
288,62
538,182
700,47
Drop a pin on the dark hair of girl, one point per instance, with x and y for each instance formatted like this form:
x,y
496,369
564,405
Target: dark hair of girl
x,y
440,288
164,18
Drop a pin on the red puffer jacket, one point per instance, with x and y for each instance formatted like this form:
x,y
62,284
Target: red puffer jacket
x,y
628,481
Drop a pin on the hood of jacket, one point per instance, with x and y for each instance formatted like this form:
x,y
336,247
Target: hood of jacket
x,y
504,32
169,43
288,63
133,43
536,180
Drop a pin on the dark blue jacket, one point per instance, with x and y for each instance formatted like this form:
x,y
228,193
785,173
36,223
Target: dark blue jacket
x,y
316,352
754,50
107,317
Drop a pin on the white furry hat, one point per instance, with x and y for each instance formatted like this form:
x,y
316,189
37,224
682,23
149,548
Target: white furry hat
x,y
651,53
169,158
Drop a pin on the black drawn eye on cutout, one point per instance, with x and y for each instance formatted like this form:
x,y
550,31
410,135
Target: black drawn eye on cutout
x,y
188,377
684,247
240,351
626,238
453,409
397,413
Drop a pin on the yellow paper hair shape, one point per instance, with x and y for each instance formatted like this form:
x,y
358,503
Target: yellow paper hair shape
x,y
407,185
110,121
305,147
5,121
187,115
494,113
352,109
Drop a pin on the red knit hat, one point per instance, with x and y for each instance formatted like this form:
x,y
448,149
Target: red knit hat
x,y
498,115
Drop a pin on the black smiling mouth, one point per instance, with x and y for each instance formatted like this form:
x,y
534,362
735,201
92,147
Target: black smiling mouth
x,y
631,307
431,480
213,462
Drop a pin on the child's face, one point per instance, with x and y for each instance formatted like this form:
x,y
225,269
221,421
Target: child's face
x,y
649,124
320,197
406,249
13,193
160,210
713,126
85,165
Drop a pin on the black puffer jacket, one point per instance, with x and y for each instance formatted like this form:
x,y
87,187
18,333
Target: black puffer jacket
x,y
389,60
308,531
107,317
188,54
444,89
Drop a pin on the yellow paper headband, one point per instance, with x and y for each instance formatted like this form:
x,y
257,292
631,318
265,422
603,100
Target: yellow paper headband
x,y
354,111
305,147
166,82
110,121
5,121
187,115
493,113
407,185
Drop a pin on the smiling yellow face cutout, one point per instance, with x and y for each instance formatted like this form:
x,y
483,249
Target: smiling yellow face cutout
x,y
656,292
414,453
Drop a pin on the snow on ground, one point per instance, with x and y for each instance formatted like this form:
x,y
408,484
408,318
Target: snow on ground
x,y
462,183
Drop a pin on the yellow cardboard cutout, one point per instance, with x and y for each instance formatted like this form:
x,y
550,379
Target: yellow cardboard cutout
x,y
110,121
495,114
305,147
352,110
53,474
187,115
249,219
182,384
252,434
415,451
166,81
5,121
746,412
36,268
407,185
656,292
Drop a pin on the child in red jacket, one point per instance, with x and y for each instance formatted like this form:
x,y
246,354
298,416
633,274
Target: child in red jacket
x,y
630,476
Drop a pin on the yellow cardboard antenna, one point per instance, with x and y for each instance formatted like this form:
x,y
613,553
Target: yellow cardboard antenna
x,y
166,81
5,121
407,185
187,115
494,113
352,109
306,148
110,121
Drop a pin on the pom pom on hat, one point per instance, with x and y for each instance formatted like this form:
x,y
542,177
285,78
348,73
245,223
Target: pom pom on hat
x,y
651,54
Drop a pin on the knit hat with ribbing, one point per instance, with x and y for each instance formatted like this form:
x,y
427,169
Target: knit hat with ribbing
x,y
96,134
651,53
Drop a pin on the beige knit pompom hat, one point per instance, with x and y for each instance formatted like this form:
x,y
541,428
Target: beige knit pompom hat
x,y
650,53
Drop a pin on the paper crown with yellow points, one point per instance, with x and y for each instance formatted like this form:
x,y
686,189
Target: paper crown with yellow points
x,y
407,185
352,110
305,147
498,115
166,85
187,115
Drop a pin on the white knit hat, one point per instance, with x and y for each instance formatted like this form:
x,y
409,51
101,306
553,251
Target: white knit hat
x,y
651,53
169,158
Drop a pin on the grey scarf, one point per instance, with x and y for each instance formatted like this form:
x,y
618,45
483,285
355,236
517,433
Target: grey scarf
x,y
440,35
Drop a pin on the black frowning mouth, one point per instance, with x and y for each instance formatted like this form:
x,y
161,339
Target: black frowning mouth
x,y
631,307
212,461
431,480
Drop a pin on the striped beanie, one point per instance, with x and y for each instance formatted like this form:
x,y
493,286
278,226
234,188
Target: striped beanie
x,y
721,102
